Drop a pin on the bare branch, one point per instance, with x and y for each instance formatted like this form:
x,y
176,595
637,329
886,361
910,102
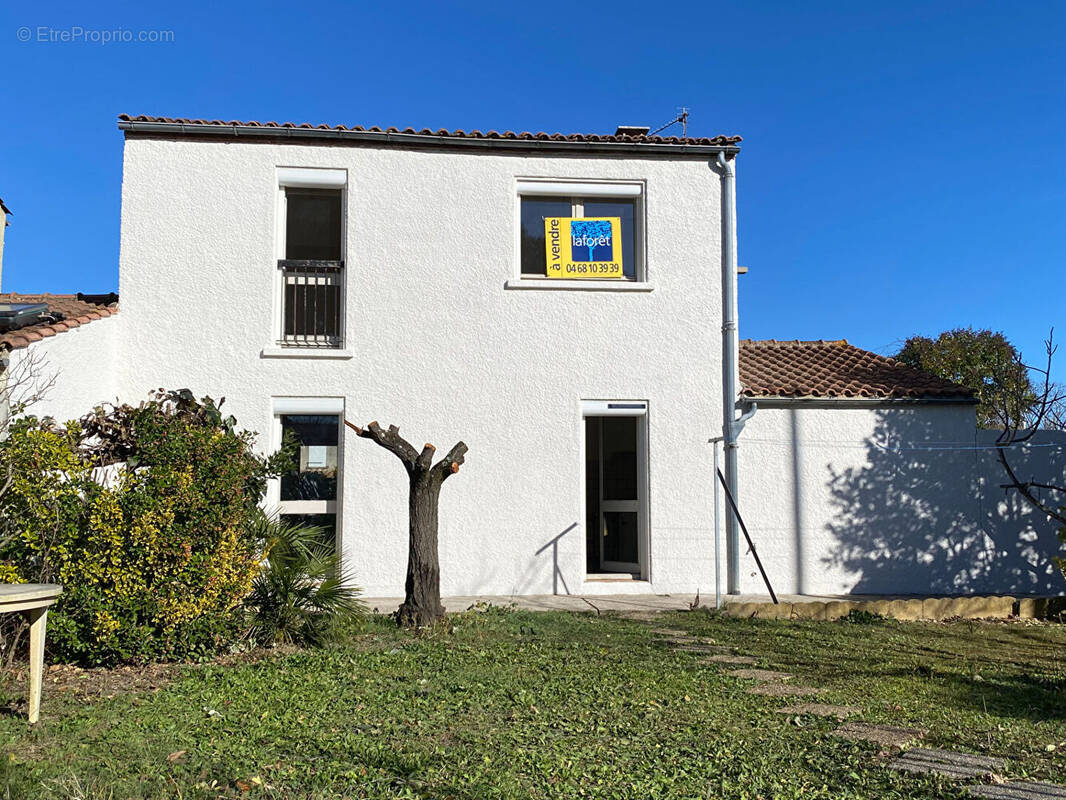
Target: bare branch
x,y
27,380
425,458
10,479
390,440
1034,485
1032,414
1025,489
450,464
1047,407
1044,401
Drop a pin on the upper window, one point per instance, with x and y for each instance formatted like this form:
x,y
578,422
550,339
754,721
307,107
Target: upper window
x,y
311,260
536,207
313,224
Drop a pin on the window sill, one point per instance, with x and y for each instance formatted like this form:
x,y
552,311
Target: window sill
x,y
579,285
273,351
612,577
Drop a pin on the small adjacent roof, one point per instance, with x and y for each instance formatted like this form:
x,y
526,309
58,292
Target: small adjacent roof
x,y
834,369
442,137
76,309
3,207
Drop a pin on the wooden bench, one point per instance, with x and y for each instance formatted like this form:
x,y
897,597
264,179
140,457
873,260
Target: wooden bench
x,y
32,600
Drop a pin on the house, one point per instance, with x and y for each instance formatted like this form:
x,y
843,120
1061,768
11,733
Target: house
x,y
309,273
566,305
861,475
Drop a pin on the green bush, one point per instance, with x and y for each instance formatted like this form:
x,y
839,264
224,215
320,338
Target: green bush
x,y
858,616
143,514
44,504
301,595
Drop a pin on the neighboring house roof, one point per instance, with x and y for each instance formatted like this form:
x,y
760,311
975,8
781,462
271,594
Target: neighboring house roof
x,y
409,136
834,369
76,309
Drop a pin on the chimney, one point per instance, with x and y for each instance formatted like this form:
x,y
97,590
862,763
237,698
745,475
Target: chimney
x,y
632,130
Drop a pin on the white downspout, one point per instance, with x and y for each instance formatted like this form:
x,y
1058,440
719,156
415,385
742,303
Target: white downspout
x,y
731,425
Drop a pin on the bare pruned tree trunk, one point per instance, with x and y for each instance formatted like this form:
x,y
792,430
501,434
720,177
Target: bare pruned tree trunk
x,y
421,604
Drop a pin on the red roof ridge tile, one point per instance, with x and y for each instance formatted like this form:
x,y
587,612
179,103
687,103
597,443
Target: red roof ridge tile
x,y
719,140
778,342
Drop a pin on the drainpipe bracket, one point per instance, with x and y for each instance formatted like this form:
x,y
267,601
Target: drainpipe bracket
x,y
737,425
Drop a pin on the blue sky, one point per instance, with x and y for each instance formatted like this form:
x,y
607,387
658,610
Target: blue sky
x,y
903,168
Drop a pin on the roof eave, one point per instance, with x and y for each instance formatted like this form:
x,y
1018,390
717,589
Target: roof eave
x,y
810,401
422,140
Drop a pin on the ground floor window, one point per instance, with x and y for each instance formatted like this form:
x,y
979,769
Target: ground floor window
x,y
615,504
308,494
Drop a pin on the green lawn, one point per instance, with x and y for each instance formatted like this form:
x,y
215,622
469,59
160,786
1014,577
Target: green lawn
x,y
515,704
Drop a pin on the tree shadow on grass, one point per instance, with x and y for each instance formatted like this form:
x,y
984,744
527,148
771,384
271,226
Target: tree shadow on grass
x,y
393,771
1036,698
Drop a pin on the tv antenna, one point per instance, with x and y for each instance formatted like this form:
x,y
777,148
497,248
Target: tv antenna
x,y
682,117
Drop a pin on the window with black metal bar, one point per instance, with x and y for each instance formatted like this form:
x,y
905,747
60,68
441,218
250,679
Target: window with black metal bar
x,y
313,269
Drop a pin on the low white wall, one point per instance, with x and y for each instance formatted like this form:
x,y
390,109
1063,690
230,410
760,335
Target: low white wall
x,y
892,500
83,362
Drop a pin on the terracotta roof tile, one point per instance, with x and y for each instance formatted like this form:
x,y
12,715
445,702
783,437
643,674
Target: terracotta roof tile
x,y
833,369
75,312
444,133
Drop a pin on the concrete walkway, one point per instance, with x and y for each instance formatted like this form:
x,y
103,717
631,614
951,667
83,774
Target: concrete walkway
x,y
604,602
789,606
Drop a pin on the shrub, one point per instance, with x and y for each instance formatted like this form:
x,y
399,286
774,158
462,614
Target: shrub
x,y
47,493
300,596
858,616
157,558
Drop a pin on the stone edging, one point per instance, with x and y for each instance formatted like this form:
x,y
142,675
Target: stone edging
x,y
929,608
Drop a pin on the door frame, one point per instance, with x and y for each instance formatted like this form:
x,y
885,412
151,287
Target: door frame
x,y
623,408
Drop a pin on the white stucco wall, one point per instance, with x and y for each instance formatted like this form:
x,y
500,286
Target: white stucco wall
x,y
83,363
439,346
897,500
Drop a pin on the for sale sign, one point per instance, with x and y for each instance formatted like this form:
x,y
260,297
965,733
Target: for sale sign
x,y
586,247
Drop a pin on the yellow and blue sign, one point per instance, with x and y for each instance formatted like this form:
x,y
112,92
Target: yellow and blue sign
x,y
586,247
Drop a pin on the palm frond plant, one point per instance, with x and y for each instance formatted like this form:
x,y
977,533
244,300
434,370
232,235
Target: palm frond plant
x,y
302,595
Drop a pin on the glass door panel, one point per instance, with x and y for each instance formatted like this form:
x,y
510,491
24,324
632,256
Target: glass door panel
x,y
620,538
315,477
309,493
619,458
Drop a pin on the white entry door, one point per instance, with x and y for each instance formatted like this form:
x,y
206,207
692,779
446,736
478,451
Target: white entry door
x,y
614,492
